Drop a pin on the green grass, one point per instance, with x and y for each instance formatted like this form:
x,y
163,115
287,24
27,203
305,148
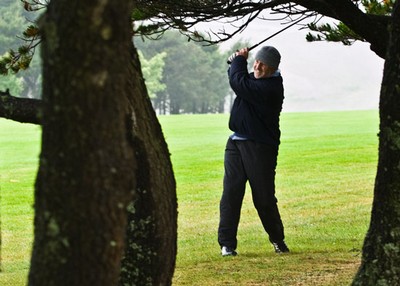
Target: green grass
x,y
325,177
19,150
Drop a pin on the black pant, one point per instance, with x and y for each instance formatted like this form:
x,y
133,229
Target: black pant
x,y
254,162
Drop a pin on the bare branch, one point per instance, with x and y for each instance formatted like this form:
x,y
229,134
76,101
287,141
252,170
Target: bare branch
x,y
24,110
166,15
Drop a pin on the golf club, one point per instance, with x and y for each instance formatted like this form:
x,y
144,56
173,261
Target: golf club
x,y
273,35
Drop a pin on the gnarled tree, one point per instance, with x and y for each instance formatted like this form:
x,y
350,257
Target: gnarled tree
x,y
381,251
104,160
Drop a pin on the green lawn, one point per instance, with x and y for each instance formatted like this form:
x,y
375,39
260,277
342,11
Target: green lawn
x,y
325,177
19,151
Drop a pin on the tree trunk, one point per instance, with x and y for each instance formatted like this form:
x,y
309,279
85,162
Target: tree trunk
x,y
101,147
152,229
381,250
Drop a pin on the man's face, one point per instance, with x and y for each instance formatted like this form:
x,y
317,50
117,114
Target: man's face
x,y
261,70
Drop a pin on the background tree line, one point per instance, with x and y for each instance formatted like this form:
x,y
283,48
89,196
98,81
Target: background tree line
x,y
186,76
193,76
182,76
13,20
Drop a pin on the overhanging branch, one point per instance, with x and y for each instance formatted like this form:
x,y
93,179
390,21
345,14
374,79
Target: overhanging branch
x,y
184,15
24,110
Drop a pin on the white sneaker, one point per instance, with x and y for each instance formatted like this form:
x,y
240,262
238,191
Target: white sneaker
x,y
227,251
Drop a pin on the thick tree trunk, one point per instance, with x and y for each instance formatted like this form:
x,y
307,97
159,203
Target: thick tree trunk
x,y
152,229
101,147
85,179
381,252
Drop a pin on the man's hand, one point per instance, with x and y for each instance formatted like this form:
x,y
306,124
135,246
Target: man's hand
x,y
242,52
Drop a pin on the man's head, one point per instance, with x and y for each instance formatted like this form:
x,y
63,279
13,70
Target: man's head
x,y
266,62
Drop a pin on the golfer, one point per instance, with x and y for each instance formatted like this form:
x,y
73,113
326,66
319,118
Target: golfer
x,y
252,150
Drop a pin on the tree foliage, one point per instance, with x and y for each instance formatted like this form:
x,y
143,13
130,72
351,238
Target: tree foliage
x,y
152,72
340,32
18,42
194,75
367,19
333,33
18,56
359,20
11,82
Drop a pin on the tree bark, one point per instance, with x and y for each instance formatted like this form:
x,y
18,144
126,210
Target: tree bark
x,y
152,228
24,110
373,28
102,154
381,250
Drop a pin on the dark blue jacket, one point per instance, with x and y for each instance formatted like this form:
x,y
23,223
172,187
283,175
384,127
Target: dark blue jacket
x,y
258,104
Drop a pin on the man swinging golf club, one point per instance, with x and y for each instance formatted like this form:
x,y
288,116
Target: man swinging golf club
x,y
252,150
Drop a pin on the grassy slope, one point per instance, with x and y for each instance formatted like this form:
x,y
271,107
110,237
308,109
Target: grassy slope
x,y
325,174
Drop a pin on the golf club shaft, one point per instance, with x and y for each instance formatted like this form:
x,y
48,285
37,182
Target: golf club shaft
x,y
280,31
273,35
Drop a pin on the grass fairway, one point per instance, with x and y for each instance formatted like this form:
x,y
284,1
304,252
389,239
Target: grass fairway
x,y
19,151
325,176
